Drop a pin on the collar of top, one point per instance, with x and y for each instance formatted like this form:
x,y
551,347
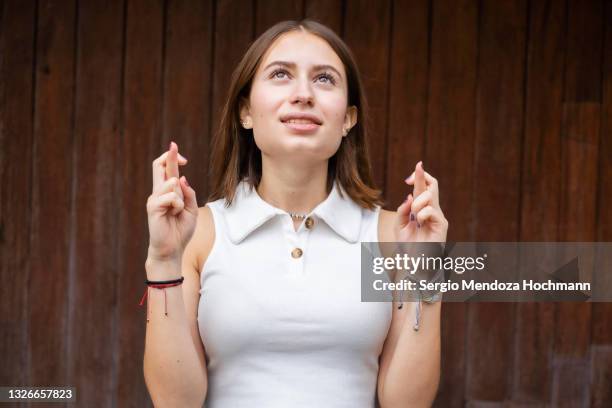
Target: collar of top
x,y
249,211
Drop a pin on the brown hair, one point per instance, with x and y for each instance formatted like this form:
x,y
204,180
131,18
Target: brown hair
x,y
234,154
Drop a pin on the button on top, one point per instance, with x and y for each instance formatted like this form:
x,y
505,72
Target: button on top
x,y
297,252
309,222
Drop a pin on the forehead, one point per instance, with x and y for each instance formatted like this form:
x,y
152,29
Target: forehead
x,y
303,48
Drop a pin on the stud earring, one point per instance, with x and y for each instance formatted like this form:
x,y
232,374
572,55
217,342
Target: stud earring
x,y
246,124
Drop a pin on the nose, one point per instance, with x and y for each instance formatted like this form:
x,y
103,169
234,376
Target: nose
x,y
302,93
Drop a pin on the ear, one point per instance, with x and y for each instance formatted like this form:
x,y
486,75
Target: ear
x,y
245,111
350,118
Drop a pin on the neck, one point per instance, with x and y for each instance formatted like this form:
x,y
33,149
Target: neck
x,y
293,188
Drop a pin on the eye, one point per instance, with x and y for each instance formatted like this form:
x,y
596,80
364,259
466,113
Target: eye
x,y
329,77
278,71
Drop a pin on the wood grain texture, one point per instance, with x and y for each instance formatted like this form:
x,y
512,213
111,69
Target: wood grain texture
x,y
601,376
17,33
141,132
496,191
601,328
93,271
367,28
268,13
327,12
540,188
580,142
187,87
229,47
407,97
449,157
51,191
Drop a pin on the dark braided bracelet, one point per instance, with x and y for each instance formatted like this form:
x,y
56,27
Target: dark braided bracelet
x,y
179,280
160,285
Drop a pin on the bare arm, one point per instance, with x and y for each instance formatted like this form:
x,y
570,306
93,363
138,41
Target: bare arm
x,y
410,362
174,360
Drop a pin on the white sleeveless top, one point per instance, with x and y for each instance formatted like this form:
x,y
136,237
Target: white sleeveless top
x,y
280,311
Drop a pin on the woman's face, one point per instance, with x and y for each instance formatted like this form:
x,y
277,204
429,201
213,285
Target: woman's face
x,y
310,81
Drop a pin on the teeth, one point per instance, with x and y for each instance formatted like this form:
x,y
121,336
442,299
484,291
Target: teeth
x,y
302,121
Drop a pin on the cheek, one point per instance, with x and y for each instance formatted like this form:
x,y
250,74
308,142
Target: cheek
x,y
265,102
335,110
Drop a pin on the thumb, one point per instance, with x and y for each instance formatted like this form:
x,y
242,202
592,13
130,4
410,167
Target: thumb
x,y
191,203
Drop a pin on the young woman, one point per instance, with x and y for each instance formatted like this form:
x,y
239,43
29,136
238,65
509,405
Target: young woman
x,y
269,312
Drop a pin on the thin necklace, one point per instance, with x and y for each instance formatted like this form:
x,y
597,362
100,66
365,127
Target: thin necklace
x,y
293,215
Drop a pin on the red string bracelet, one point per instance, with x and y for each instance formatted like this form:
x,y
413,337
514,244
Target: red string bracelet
x,y
160,285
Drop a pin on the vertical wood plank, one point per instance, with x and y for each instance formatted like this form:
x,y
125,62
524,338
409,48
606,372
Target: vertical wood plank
x,y
540,187
602,324
601,337
229,47
271,12
581,123
601,376
409,73
327,12
187,89
17,31
580,140
568,389
499,122
451,110
449,156
140,146
93,280
52,185
371,50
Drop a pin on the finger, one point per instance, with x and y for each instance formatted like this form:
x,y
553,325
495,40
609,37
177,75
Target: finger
x,y
403,211
164,202
422,201
163,157
172,161
191,203
419,180
432,185
429,179
429,214
159,169
167,186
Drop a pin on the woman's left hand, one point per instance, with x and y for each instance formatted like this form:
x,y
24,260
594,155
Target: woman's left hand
x,y
420,218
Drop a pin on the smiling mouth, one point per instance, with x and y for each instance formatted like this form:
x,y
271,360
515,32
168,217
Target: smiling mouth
x,y
301,121
301,125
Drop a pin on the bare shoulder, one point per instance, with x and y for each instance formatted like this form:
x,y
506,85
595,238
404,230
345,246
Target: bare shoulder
x,y
385,225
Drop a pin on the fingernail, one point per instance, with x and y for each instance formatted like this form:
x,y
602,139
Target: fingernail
x,y
170,146
186,183
408,178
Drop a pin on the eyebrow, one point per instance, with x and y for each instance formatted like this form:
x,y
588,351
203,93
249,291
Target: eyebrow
x,y
292,65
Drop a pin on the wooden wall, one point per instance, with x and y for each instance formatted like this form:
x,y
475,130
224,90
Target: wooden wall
x,y
508,103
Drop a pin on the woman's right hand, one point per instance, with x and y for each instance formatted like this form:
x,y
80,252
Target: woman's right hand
x,y
172,208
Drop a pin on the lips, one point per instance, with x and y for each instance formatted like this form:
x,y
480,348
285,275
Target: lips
x,y
301,128
301,123
301,118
